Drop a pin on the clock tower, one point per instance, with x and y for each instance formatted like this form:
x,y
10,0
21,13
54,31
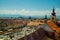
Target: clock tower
x,y
53,15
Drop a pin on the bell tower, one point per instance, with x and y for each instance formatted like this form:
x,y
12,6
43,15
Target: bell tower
x,y
53,15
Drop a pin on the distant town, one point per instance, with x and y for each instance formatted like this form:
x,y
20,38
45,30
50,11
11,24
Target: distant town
x,y
30,28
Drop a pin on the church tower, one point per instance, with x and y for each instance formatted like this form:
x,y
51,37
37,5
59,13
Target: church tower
x,y
45,18
53,16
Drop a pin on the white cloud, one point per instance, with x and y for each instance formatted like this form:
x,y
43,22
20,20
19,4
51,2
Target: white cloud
x,y
29,13
58,11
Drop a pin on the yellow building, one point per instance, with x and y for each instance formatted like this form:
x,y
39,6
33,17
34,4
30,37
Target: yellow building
x,y
53,16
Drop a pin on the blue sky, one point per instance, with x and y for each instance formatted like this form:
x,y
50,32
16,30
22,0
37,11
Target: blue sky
x,y
29,7
29,4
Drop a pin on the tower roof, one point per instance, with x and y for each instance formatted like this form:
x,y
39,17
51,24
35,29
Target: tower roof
x,y
53,12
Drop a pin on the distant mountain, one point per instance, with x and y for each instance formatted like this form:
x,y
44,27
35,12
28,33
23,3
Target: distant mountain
x,y
23,16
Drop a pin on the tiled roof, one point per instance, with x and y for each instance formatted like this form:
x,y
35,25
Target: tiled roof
x,y
37,35
53,26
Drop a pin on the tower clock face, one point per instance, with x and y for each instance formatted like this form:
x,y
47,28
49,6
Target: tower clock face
x,y
52,18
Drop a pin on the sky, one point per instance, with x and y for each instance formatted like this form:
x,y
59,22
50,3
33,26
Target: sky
x,y
29,7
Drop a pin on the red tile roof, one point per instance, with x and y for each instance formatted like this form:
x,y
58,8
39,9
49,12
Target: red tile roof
x,y
37,35
54,27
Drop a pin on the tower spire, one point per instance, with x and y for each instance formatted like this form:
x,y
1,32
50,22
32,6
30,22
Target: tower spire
x,y
53,10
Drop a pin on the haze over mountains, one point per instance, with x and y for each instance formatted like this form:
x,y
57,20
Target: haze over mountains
x,y
27,13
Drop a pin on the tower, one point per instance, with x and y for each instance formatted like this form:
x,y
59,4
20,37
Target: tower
x,y
45,18
53,15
